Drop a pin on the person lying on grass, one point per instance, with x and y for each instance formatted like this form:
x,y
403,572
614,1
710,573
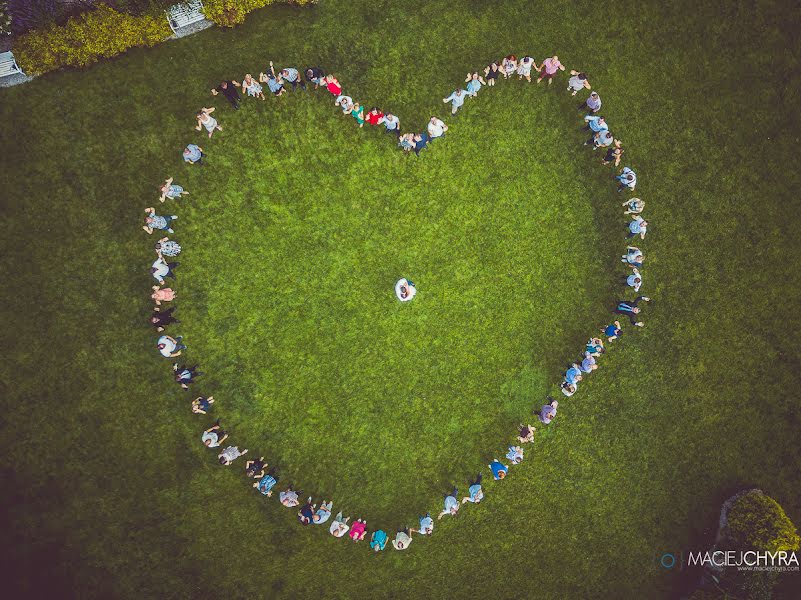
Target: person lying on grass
x,y
160,319
170,190
230,454
154,221
426,525
402,539
612,331
524,68
498,469
201,405
526,434
158,296
378,540
630,309
228,88
265,484
204,119
548,411
358,530
170,347
340,526
252,87
185,375
474,492
577,82
255,468
213,436
474,82
451,504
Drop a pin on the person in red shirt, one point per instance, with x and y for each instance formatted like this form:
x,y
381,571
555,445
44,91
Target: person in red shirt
x,y
374,116
332,84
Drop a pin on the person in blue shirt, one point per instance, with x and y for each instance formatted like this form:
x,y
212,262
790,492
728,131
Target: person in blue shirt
x,y
627,179
291,75
474,82
272,81
631,310
420,142
612,331
588,364
637,226
193,154
634,280
633,257
426,525
451,504
456,99
515,454
378,540
475,493
498,469
265,484
306,512
573,374
595,123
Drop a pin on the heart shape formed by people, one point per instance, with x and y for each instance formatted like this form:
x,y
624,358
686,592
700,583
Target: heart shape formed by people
x,y
313,361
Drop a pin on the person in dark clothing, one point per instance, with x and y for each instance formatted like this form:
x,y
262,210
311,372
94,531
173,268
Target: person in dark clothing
x,y
160,319
255,468
185,375
314,75
229,89
420,142
630,309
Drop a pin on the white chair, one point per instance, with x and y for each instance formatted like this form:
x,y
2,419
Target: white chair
x,y
8,65
181,15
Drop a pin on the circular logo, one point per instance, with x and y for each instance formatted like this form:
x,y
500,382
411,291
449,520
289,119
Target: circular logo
x,y
668,560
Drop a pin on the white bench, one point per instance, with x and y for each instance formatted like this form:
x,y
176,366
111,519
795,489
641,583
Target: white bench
x,y
8,65
181,15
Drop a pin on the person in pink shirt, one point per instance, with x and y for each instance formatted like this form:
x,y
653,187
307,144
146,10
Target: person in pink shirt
x,y
358,530
160,295
549,68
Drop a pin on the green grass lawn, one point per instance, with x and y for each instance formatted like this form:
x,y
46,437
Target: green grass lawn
x,y
294,235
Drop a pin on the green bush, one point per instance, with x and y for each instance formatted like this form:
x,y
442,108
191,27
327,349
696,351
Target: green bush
x,y
228,13
758,522
86,38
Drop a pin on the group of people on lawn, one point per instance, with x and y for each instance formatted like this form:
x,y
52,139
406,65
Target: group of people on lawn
x,y
265,480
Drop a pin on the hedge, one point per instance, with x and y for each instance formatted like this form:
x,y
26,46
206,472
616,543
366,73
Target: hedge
x,y
86,38
228,13
757,522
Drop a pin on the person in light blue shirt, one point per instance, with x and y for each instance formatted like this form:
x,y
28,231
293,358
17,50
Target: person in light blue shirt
x,y
573,374
595,123
627,179
634,280
548,411
475,493
498,469
633,257
515,454
323,513
378,540
426,525
474,82
272,81
588,364
602,139
456,99
451,504
638,226
193,154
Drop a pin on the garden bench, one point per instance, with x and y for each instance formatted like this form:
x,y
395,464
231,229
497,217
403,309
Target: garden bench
x,y
180,15
8,65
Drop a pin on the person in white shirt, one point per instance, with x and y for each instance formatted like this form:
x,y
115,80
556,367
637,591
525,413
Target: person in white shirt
x,y
405,290
436,128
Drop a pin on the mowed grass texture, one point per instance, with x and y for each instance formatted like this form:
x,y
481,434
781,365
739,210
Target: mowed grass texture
x,y
311,357
108,490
